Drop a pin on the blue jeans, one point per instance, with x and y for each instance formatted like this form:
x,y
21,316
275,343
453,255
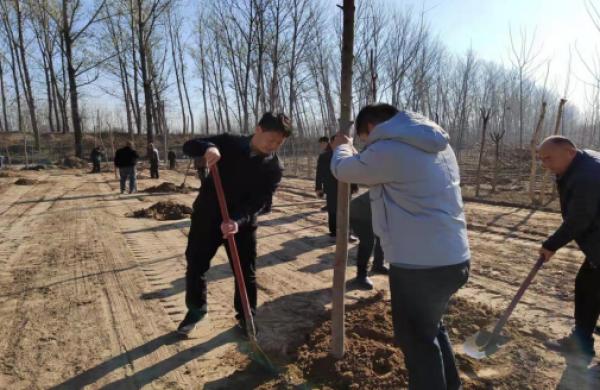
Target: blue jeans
x,y
128,172
419,300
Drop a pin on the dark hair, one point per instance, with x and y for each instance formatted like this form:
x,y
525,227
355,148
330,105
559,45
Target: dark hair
x,y
559,140
278,123
374,114
324,139
332,138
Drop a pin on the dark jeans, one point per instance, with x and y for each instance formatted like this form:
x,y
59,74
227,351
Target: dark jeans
x,y
364,231
172,164
587,303
95,166
204,240
419,300
331,199
128,172
154,170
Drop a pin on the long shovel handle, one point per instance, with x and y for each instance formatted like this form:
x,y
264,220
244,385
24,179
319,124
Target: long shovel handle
x,y
186,172
502,321
235,257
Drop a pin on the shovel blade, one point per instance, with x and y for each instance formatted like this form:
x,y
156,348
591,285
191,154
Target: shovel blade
x,y
482,344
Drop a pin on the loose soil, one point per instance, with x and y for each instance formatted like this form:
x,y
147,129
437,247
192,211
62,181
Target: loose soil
x,y
169,187
25,182
70,162
164,211
8,174
372,361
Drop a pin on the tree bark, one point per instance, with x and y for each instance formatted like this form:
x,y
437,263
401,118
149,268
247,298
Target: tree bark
x,y
341,252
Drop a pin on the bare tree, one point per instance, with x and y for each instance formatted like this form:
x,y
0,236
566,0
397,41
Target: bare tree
x,y
523,58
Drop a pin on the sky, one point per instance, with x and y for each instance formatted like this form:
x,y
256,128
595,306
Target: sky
x,y
484,26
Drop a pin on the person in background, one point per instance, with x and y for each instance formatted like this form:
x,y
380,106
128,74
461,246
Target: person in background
x,y
416,201
319,176
95,156
154,158
251,172
172,160
578,181
327,185
125,160
362,226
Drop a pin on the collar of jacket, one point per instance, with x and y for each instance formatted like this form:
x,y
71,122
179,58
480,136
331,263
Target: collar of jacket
x,y
572,167
247,147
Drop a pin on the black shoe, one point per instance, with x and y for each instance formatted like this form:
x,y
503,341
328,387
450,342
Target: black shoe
x,y
190,320
324,208
380,269
332,235
362,283
573,345
352,239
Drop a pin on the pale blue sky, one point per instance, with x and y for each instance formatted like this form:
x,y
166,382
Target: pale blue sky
x,y
484,25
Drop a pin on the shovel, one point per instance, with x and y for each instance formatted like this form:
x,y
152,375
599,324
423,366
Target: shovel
x,y
182,186
485,343
259,355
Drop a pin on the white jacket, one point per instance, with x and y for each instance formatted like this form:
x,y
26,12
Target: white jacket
x,y
414,189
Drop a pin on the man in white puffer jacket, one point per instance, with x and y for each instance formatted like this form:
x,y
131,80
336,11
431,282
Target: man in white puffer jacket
x,y
418,214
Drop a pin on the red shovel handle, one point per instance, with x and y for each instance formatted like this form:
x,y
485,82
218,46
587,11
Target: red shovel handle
x,y
235,257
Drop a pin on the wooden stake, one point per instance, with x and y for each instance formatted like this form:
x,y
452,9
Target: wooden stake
x,y
343,196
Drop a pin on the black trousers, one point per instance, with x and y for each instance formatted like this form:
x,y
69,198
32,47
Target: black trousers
x,y
154,170
172,164
419,300
368,240
204,240
587,303
95,166
331,200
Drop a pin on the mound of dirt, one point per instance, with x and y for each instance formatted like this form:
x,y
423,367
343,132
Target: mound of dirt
x,y
25,182
164,211
373,362
73,162
38,167
168,187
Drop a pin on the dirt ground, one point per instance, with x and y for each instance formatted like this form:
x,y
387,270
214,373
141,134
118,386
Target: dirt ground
x,y
89,298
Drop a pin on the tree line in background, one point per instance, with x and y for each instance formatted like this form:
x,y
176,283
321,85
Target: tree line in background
x,y
214,66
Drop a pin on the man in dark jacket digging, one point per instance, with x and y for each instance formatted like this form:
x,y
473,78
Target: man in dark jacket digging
x,y
362,225
250,171
578,180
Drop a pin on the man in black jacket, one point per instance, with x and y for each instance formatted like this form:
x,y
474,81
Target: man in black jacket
x,y
96,156
125,160
326,184
578,180
250,172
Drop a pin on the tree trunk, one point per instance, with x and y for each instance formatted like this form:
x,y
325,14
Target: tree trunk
x,y
559,114
341,253
26,78
3,94
71,72
146,82
485,117
535,140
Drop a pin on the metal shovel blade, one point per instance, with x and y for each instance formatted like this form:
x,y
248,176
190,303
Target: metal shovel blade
x,y
482,344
